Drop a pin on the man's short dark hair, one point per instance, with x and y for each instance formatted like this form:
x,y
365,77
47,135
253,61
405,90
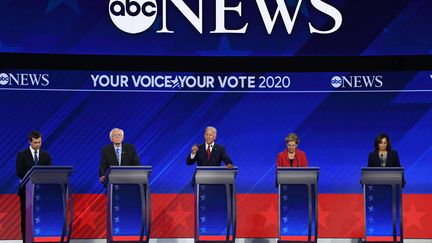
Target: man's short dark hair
x,y
34,134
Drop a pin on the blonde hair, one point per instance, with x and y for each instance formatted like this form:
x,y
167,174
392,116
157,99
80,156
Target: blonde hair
x,y
292,137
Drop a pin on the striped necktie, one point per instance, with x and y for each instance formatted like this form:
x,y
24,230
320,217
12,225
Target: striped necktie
x,y
118,156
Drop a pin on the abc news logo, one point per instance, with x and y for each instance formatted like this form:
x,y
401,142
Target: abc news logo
x,y
357,81
133,16
24,79
136,16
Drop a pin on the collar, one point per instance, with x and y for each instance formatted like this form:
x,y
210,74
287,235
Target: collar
x,y
211,145
32,150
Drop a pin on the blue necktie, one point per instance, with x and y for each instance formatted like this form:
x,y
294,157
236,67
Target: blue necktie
x,y
36,160
118,156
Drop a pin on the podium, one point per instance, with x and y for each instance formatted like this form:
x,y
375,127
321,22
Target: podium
x,y
128,201
48,204
215,202
382,191
298,204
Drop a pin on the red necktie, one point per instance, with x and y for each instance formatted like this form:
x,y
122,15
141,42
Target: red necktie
x,y
208,152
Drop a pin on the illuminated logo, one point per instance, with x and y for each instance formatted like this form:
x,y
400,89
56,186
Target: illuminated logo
x,y
24,79
357,81
133,16
4,79
136,16
336,82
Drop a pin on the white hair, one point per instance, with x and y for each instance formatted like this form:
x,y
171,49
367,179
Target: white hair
x,y
121,131
211,128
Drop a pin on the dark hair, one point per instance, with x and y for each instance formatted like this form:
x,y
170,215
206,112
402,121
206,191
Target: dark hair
x,y
34,134
378,140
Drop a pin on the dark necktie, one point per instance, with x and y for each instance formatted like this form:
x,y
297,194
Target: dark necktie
x,y
36,159
208,152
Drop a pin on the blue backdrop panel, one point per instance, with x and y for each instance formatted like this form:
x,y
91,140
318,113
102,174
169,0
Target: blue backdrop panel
x,y
336,126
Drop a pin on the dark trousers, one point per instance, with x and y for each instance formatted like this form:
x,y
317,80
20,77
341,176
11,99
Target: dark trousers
x,y
22,196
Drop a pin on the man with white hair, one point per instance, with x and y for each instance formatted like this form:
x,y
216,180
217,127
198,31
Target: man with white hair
x,y
209,153
117,153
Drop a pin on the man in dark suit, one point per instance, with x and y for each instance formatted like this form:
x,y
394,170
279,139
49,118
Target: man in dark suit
x,y
117,153
25,160
209,153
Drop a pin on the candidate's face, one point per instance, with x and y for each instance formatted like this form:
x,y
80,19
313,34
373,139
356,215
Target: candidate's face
x,y
116,137
36,143
382,145
291,145
210,136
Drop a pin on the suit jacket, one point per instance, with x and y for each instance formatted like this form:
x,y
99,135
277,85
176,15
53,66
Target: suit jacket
x,y
392,159
300,159
217,155
25,161
129,156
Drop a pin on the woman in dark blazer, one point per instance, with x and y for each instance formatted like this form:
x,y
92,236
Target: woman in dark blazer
x,y
383,156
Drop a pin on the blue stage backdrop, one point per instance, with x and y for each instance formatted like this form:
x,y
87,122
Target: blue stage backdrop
x,y
336,115
183,28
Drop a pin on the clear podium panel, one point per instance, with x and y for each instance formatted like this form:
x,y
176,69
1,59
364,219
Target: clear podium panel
x,y
48,204
298,204
129,205
382,190
215,202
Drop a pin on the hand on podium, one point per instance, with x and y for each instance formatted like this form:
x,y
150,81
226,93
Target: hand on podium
x,y
101,179
229,166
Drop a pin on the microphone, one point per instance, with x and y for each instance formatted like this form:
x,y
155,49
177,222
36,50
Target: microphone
x,y
382,160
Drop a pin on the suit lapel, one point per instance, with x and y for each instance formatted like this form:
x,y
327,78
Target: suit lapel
x,y
30,156
378,159
113,154
205,154
123,154
389,158
213,152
